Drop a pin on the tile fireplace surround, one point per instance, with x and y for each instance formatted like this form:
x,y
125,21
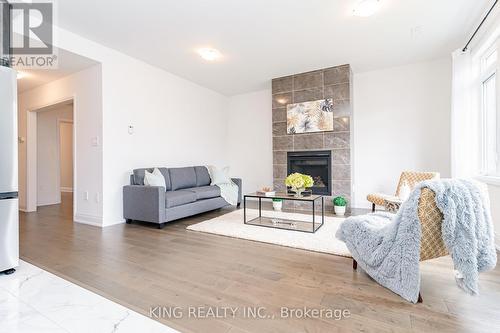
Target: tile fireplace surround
x,y
335,83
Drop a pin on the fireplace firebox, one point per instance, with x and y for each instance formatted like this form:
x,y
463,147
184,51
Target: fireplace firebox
x,y
316,164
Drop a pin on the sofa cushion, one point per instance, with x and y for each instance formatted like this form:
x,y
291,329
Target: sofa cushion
x,y
182,178
178,198
205,192
202,176
139,176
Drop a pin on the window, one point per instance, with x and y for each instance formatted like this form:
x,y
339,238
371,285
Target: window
x,y
490,129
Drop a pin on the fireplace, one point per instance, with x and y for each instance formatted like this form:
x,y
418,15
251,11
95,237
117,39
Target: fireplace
x,y
316,164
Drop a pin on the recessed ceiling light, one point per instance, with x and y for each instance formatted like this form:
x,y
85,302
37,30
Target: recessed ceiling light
x,y
20,75
209,54
366,8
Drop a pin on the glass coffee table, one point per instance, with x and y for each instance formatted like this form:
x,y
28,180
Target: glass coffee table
x,y
314,205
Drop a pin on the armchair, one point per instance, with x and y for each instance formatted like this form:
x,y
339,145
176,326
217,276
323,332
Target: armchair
x,y
410,177
431,243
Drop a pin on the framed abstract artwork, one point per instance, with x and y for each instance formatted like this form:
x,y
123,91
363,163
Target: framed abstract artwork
x,y
309,117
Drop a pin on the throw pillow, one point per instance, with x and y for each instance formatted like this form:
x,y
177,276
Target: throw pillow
x,y
219,176
404,191
154,178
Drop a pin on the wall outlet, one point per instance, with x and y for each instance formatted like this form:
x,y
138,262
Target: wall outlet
x,y
86,195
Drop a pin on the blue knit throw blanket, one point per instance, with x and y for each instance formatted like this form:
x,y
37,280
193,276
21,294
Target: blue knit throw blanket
x,y
387,246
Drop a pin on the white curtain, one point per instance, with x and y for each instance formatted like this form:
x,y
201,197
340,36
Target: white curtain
x,y
465,154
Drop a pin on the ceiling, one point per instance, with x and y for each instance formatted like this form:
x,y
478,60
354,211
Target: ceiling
x,y
263,39
67,64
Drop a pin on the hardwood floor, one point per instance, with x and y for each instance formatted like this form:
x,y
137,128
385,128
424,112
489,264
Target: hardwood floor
x,y
141,267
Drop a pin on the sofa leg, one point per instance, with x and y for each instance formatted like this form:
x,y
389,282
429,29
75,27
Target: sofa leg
x,y
420,300
128,221
354,264
161,225
373,208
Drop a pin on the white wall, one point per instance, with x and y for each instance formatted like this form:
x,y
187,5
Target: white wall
x,y
48,154
85,88
494,192
176,122
249,139
401,122
66,156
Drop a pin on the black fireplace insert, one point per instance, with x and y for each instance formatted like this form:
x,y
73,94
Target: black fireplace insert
x,y
316,164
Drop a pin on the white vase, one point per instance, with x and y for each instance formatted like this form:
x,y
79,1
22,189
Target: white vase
x,y
277,205
339,210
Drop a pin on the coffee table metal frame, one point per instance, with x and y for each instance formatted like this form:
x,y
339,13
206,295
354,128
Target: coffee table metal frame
x,y
313,199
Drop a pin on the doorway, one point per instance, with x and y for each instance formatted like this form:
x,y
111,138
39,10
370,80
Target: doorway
x,y
53,181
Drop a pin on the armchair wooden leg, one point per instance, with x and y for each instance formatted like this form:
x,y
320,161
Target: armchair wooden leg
x,y
373,207
420,300
354,264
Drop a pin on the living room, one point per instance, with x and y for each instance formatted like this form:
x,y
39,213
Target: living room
x,y
191,121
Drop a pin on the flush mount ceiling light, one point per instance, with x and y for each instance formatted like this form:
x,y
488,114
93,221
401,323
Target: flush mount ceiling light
x,y
209,54
366,8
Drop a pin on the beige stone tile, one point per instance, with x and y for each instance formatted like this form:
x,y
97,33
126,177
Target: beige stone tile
x,y
279,115
279,157
337,91
279,171
308,141
282,84
341,124
279,129
283,142
342,108
308,80
336,75
341,156
341,172
337,140
281,100
307,95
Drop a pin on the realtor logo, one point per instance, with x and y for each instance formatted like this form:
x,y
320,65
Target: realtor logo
x,y
27,35
35,22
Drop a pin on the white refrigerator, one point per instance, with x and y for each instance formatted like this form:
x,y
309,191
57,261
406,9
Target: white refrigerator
x,y
9,215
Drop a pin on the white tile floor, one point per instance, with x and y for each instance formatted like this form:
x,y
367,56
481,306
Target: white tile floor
x,y
34,300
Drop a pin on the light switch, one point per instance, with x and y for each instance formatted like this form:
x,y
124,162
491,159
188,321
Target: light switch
x,y
130,129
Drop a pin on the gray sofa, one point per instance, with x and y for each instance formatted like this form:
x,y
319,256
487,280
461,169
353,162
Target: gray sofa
x,y
188,192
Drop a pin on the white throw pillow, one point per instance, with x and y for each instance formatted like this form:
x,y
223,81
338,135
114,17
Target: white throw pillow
x,y
219,176
404,191
154,179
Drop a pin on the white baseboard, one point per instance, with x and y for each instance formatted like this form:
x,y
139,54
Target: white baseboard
x,y
88,219
48,203
94,220
67,189
109,224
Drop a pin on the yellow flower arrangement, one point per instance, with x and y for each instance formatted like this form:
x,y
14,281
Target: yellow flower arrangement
x,y
299,181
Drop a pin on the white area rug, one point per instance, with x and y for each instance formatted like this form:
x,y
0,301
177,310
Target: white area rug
x,y
231,224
